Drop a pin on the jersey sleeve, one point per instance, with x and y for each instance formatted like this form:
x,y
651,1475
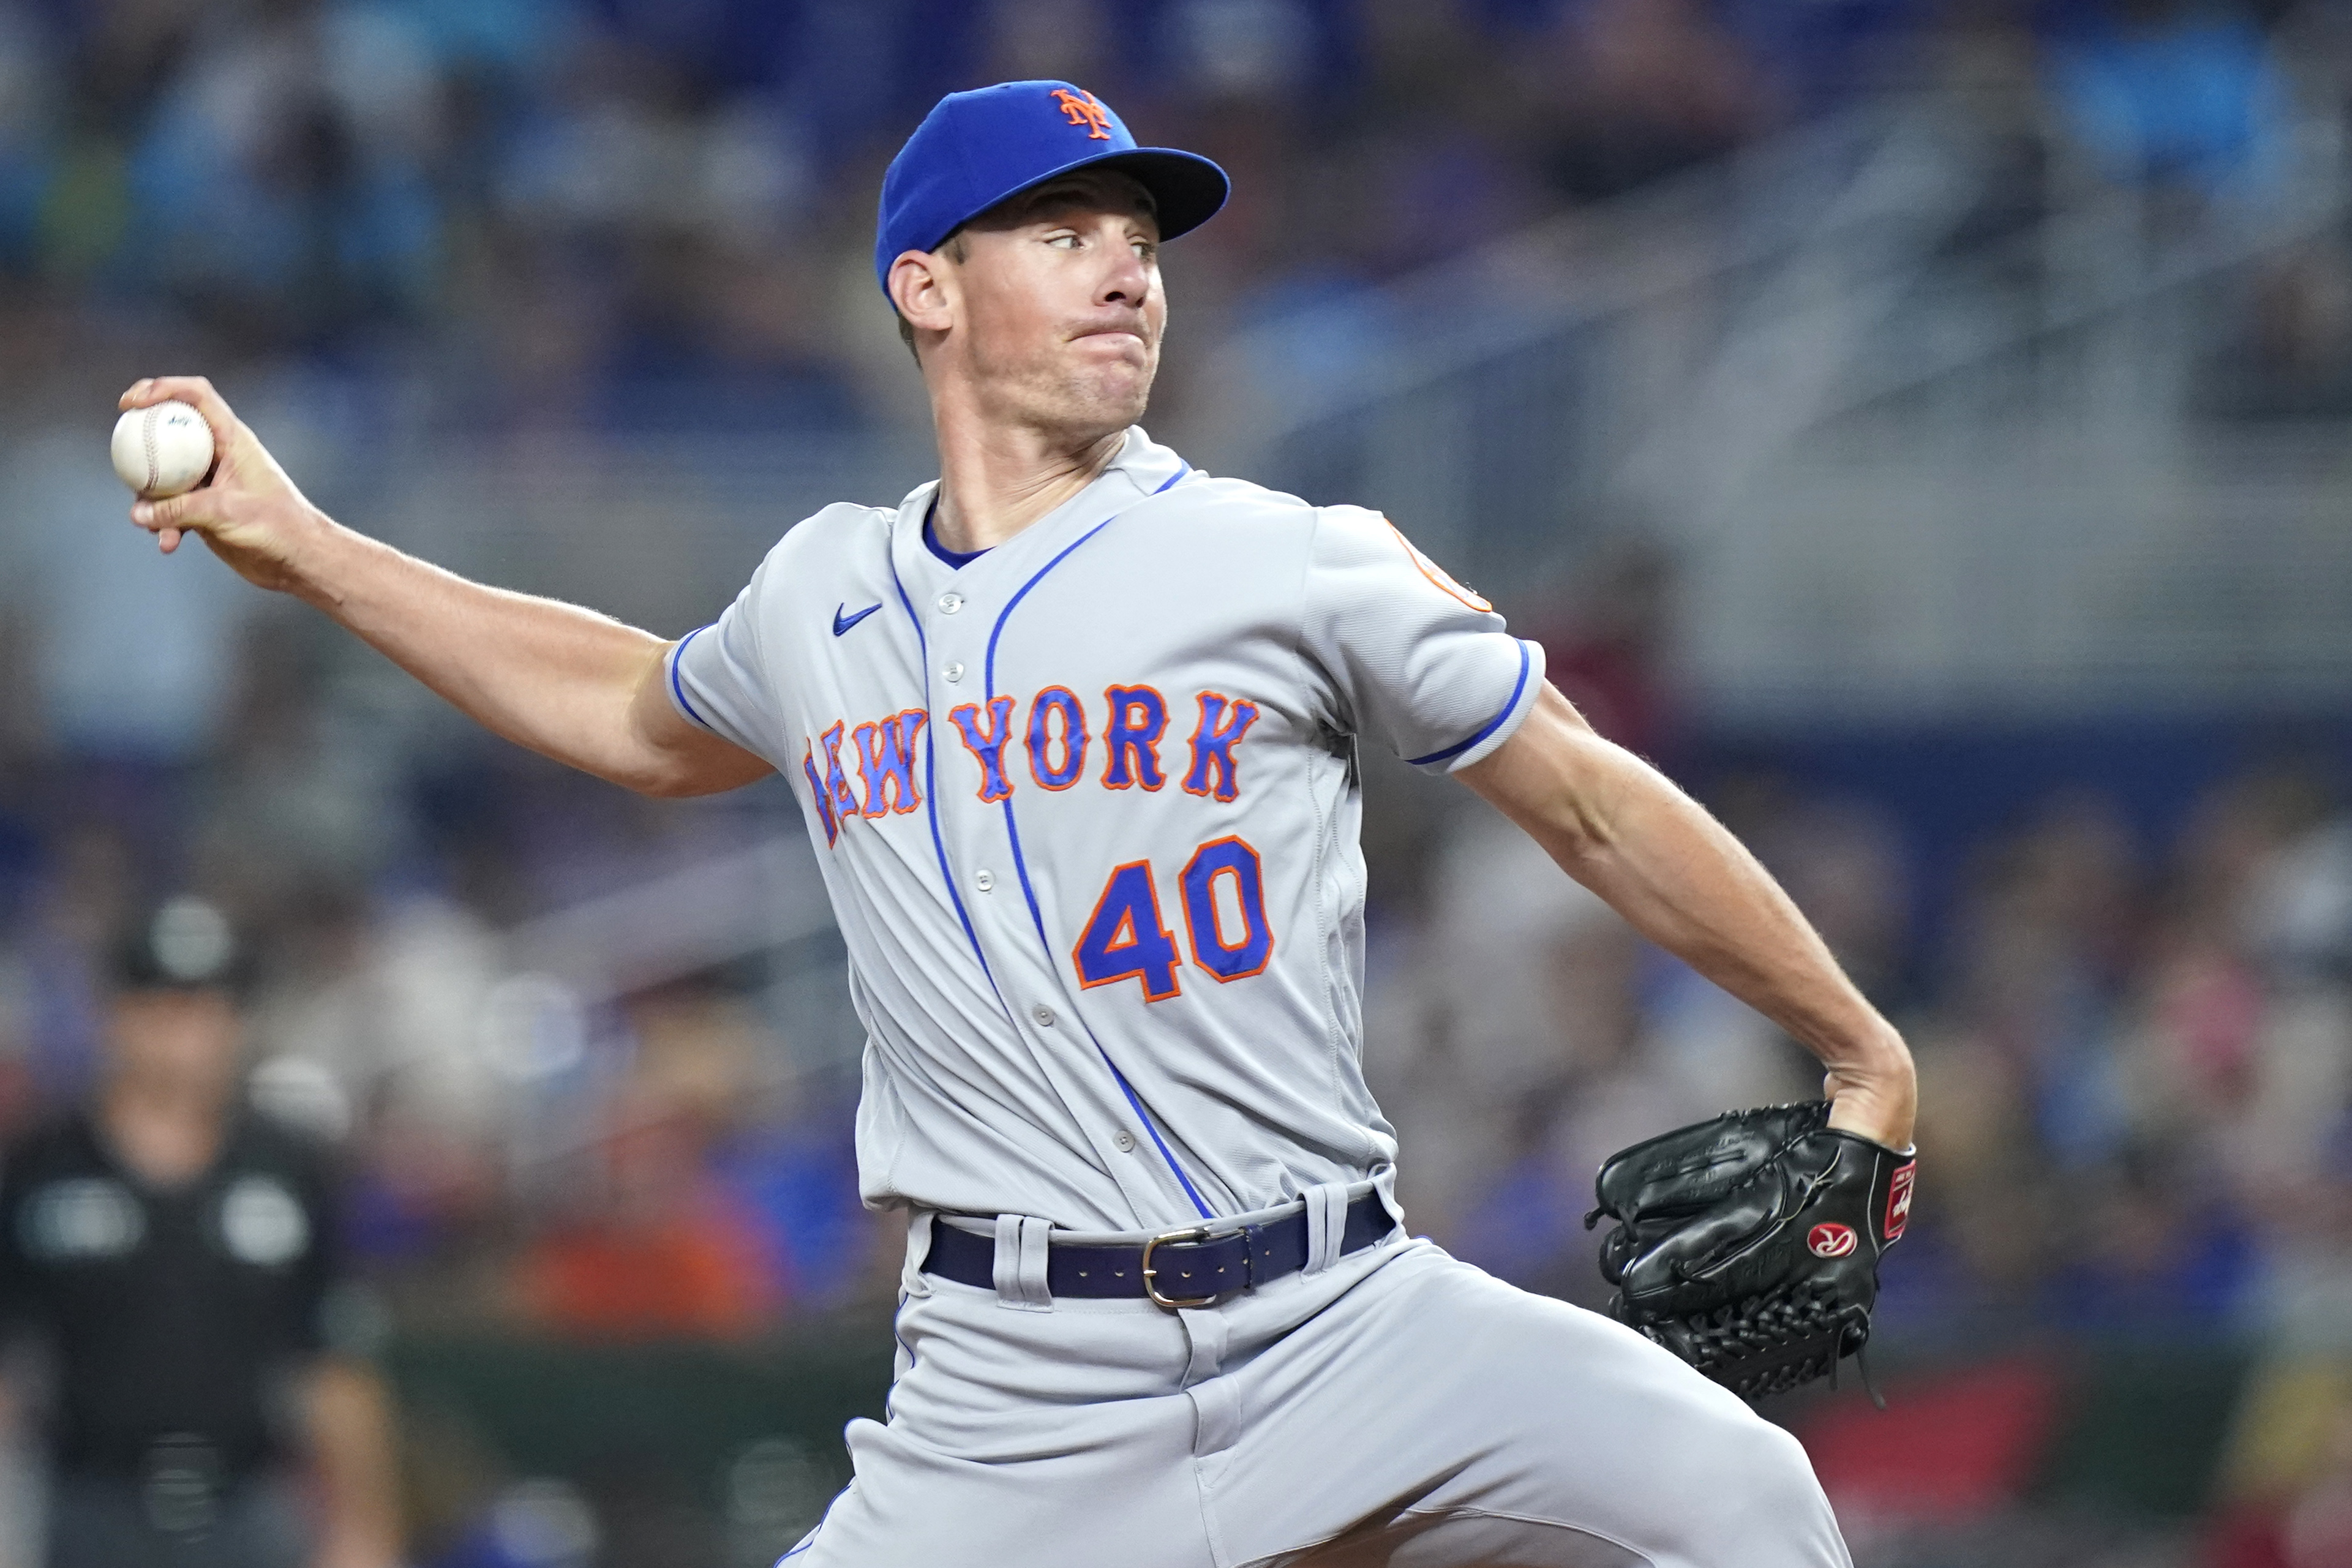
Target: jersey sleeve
x,y
1419,663
718,679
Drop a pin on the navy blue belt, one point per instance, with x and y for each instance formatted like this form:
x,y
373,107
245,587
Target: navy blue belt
x,y
1180,1268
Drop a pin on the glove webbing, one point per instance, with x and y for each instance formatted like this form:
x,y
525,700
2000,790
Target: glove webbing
x,y
1758,1347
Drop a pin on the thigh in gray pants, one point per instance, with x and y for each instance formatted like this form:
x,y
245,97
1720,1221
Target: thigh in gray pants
x,y
1400,1408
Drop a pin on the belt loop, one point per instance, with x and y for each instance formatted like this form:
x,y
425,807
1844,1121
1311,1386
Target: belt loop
x,y
912,1281
1385,1179
1326,1225
1021,1263
1206,1335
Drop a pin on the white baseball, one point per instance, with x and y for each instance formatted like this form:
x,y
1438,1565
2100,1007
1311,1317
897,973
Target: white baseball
x,y
162,449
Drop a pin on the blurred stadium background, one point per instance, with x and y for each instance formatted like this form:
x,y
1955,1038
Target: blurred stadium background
x,y
1919,426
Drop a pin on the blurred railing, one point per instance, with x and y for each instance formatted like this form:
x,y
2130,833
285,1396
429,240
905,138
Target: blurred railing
x,y
1930,425
766,900
1924,436
1491,399
662,532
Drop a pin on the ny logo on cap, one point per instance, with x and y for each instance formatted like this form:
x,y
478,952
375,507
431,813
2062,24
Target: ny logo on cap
x,y
1084,109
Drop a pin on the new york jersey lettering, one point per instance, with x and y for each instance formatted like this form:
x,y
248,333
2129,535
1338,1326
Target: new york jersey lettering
x,y
1044,741
840,799
1139,716
1224,721
819,796
986,744
886,758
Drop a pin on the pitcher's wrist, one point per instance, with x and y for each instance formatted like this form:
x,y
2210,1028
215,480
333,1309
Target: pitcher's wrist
x,y
1878,1098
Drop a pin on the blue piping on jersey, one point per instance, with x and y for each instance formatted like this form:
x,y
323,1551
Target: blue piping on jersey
x,y
1021,863
989,672
1133,1099
676,689
931,793
1152,1127
1492,725
957,560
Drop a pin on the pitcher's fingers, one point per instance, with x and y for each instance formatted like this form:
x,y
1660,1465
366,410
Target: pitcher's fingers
x,y
170,540
192,389
187,512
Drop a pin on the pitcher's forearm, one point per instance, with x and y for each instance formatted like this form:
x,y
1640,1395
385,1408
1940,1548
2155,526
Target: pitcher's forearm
x,y
551,676
1683,881
1623,828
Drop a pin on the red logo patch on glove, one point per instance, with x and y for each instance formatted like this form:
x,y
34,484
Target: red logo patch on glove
x,y
1830,1240
1898,1200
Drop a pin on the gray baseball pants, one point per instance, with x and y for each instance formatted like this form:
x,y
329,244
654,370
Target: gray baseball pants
x,y
1397,1408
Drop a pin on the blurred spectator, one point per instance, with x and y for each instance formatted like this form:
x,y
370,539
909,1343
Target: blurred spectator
x,y
667,1253
796,1164
177,1257
2288,1477
280,185
1612,1088
1842,861
2291,356
2046,940
1604,649
82,576
2180,94
604,211
2146,1254
1643,88
672,1249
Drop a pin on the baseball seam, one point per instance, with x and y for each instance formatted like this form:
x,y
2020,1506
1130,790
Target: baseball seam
x,y
147,439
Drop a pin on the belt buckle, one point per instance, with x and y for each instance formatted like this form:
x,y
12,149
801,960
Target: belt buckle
x,y
1196,1233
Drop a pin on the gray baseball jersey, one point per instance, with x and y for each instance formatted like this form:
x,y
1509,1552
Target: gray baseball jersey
x,y
1086,807
1087,811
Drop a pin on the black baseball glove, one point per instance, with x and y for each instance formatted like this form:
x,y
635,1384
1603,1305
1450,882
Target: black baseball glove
x,y
1748,1245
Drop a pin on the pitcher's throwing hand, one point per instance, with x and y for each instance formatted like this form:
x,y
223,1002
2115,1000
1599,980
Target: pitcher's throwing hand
x,y
250,512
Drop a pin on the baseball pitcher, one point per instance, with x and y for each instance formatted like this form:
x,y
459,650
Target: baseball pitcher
x,y
1074,729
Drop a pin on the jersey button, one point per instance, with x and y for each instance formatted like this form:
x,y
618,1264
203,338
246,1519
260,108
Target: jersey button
x,y
953,672
951,602
1044,1014
983,880
1123,1141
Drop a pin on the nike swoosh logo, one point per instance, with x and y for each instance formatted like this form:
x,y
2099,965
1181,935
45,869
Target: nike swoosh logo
x,y
842,622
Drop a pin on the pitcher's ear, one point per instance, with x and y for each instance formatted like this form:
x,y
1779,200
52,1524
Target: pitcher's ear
x,y
920,291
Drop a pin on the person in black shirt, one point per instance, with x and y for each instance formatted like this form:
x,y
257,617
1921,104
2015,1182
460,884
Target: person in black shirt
x,y
175,1256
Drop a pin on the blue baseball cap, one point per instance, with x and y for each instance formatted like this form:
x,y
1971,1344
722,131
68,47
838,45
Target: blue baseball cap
x,y
977,147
